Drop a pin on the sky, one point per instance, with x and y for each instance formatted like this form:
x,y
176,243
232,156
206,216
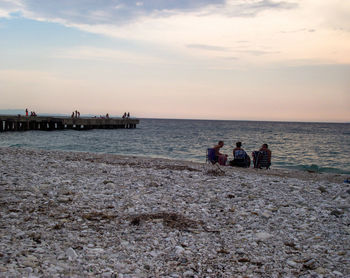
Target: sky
x,y
278,60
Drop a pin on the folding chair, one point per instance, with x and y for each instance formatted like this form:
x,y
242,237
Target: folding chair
x,y
212,158
261,159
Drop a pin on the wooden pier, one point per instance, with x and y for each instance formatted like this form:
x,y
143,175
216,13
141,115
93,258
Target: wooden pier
x,y
23,123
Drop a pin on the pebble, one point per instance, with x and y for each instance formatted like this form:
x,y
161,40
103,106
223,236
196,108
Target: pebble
x,y
94,215
292,263
71,254
263,236
188,273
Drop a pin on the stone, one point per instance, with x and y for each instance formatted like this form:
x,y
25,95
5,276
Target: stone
x,y
179,250
263,236
71,254
60,218
188,274
292,263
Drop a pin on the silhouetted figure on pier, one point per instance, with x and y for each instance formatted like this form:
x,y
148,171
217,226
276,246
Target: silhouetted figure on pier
x,y
107,116
124,116
26,112
128,116
72,114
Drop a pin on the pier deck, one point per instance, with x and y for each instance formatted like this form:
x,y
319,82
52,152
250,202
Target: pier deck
x,y
23,123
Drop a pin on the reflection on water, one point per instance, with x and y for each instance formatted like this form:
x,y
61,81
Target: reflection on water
x,y
305,146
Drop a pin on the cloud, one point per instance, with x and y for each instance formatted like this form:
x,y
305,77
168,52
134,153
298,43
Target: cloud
x,y
251,8
253,31
258,52
126,11
8,7
207,47
105,54
102,11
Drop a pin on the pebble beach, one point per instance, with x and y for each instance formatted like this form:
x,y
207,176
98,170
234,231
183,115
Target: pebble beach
x,y
69,214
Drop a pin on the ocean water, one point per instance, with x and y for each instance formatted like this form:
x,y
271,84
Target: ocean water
x,y
320,147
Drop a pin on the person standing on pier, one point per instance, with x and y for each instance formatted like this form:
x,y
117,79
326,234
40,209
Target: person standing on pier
x,y
26,112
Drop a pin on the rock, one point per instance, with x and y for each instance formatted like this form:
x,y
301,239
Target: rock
x,y
263,236
60,218
292,263
321,270
266,214
337,212
71,254
179,250
310,264
188,274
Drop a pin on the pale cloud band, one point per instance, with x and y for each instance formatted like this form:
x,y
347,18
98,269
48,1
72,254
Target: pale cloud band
x,y
125,11
195,27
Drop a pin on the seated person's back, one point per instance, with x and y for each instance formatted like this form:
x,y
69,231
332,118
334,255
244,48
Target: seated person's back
x,y
241,158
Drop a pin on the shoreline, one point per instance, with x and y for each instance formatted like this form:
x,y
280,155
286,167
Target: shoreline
x,y
81,214
282,172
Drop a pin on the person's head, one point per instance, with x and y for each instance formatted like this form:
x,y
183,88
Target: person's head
x,y
265,146
239,144
221,143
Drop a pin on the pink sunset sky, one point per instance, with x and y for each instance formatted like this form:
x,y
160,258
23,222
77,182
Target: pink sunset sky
x,y
234,60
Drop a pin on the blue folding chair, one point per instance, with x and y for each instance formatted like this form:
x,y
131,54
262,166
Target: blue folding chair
x,y
212,158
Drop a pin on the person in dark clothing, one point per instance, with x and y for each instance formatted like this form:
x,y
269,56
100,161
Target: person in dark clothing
x,y
240,157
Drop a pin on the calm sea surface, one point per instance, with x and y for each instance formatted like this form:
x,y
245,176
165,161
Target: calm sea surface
x,y
322,147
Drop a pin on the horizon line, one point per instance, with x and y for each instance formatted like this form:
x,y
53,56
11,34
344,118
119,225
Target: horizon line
x,y
188,119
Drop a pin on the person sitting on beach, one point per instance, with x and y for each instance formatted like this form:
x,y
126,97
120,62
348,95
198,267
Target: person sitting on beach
x,y
219,157
262,158
240,157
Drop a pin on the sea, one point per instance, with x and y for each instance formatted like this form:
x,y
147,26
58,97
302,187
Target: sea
x,y
317,147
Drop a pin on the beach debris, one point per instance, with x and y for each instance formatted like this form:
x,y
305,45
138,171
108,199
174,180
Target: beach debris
x,y
172,220
216,172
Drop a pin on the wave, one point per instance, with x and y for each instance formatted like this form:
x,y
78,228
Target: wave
x,y
313,168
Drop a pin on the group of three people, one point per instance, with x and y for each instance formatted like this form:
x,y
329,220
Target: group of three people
x,y
261,158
